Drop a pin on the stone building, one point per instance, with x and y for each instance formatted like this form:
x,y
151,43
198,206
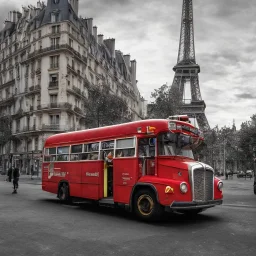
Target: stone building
x,y
49,57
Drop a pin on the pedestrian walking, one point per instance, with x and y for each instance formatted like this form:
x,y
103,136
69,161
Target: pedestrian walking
x,y
32,171
15,176
9,174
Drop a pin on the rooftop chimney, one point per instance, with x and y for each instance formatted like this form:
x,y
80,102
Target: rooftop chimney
x,y
100,39
133,72
95,33
110,43
89,23
127,59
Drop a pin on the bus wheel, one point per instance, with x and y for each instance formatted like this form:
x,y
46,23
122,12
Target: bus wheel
x,y
63,193
146,206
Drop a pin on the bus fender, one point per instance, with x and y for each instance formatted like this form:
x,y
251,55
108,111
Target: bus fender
x,y
137,187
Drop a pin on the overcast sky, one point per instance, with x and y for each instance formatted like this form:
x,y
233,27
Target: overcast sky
x,y
149,30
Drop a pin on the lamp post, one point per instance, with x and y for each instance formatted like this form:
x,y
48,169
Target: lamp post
x,y
224,158
32,166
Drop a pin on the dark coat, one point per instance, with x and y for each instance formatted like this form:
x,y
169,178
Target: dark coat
x,y
9,174
16,173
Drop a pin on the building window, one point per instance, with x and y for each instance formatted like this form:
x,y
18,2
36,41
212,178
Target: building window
x,y
54,61
54,119
18,125
56,29
70,42
55,17
40,46
53,80
39,80
36,144
54,77
55,41
53,98
77,102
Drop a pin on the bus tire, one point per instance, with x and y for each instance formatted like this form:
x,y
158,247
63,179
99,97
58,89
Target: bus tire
x,y
63,193
146,206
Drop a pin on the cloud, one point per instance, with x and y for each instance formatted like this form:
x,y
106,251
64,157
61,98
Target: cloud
x,y
245,96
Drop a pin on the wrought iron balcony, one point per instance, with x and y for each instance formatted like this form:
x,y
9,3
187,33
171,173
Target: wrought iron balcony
x,y
63,105
53,84
57,47
78,110
56,127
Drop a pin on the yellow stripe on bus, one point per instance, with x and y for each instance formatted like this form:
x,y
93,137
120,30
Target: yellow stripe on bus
x,y
105,180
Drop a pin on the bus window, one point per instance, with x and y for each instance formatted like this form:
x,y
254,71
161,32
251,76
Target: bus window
x,y
50,154
76,152
77,149
125,148
147,147
92,151
63,153
107,147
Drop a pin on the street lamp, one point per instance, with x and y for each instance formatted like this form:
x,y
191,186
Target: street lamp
x,y
224,158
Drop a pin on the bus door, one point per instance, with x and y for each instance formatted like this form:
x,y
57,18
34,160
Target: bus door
x,y
146,154
125,169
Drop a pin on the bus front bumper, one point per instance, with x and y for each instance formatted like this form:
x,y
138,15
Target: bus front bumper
x,y
194,205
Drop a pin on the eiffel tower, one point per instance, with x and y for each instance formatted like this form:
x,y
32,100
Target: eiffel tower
x,y
187,70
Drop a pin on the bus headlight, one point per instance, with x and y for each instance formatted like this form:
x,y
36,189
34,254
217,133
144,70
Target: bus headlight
x,y
220,185
184,187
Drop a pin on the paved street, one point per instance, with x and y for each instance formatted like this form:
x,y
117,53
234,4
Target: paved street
x,y
35,223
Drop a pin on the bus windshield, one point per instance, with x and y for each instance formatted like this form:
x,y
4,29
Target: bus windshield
x,y
173,144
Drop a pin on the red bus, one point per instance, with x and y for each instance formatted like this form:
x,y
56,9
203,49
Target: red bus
x,y
146,166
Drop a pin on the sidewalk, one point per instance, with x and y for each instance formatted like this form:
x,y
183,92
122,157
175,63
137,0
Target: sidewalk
x,y
37,180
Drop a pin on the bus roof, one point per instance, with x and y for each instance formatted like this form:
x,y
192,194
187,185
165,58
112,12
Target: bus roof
x,y
110,132
106,132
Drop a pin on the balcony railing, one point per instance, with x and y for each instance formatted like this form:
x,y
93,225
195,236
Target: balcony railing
x,y
9,98
62,105
54,65
53,105
48,127
56,127
58,47
78,110
54,84
11,82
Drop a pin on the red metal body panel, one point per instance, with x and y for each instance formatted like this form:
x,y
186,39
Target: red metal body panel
x,y
125,177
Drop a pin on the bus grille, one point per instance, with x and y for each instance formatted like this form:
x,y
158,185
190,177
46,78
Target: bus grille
x,y
203,184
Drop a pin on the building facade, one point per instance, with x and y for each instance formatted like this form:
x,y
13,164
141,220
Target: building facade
x,y
49,58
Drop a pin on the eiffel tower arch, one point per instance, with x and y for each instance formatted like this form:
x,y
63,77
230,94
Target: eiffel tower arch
x,y
187,70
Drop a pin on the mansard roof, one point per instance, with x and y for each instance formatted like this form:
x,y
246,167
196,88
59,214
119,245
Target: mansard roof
x,y
7,31
63,7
